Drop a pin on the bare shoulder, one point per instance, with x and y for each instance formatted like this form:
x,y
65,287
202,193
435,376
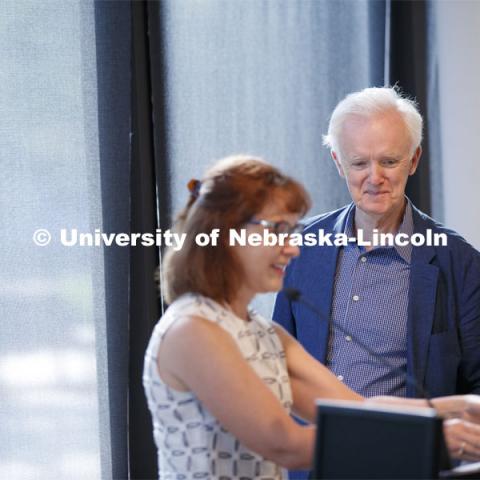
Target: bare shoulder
x,y
285,337
279,329
188,341
192,331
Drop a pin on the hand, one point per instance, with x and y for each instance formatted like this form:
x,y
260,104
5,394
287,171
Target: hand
x,y
466,407
463,439
472,408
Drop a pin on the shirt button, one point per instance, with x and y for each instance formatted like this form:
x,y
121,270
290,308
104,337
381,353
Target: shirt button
x,y
340,377
348,338
363,259
356,298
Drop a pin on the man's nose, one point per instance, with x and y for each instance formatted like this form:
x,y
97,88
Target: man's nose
x,y
376,174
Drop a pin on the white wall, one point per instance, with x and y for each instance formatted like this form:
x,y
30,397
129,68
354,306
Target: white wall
x,y
458,27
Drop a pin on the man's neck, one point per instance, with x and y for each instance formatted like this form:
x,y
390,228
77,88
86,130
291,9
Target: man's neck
x,y
388,223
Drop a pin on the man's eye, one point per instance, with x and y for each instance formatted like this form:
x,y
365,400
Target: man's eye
x,y
358,164
390,162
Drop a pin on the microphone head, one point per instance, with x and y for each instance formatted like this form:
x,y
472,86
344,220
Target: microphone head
x,y
292,294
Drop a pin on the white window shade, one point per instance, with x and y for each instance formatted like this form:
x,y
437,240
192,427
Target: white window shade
x,y
49,179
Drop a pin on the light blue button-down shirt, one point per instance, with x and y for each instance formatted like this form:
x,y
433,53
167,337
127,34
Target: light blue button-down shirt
x,y
370,300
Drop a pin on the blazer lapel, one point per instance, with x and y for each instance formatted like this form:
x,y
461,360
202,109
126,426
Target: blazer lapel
x,y
421,307
315,282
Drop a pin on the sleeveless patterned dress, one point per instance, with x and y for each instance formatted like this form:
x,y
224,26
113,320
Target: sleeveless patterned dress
x,y
191,443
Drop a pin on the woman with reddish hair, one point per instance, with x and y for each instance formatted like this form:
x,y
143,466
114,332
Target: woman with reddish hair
x,y
221,381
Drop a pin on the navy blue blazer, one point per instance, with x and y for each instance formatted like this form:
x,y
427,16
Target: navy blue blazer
x,y
443,329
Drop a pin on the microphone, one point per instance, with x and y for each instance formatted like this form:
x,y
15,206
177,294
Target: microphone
x,y
295,295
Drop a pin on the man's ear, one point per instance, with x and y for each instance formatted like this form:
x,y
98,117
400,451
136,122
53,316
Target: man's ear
x,y
336,160
414,161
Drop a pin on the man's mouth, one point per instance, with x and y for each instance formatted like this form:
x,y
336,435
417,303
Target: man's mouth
x,y
375,193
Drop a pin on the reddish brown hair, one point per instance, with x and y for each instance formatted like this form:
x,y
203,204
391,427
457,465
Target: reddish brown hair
x,y
232,192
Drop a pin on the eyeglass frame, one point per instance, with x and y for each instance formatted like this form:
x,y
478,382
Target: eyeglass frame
x,y
275,226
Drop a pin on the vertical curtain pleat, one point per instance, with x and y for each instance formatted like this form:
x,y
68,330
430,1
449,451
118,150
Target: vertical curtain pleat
x,y
144,300
112,31
409,70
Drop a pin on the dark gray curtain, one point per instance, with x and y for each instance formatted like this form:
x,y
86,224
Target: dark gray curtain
x,y
113,43
410,68
144,298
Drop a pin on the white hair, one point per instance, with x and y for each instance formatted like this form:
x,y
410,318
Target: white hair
x,y
369,102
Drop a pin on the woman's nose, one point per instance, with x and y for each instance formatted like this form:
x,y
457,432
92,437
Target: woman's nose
x,y
291,250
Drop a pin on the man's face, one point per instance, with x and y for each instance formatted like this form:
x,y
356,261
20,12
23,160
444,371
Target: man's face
x,y
375,158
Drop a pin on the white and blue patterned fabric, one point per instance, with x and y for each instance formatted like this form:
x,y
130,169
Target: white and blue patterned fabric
x,y
370,299
191,443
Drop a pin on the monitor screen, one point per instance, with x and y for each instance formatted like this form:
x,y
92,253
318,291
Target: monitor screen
x,y
365,441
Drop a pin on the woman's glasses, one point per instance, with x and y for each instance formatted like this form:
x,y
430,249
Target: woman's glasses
x,y
279,227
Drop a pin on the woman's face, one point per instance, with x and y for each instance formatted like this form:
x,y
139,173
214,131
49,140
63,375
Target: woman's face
x,y
264,266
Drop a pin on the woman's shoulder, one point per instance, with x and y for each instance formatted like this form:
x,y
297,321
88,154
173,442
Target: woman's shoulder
x,y
191,321
191,307
195,305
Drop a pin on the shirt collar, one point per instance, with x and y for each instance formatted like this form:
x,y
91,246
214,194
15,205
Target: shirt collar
x,y
406,227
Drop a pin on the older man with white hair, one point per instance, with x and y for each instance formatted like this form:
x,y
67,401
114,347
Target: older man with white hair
x,y
416,306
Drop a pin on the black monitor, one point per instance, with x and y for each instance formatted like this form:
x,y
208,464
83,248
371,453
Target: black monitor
x,y
364,441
